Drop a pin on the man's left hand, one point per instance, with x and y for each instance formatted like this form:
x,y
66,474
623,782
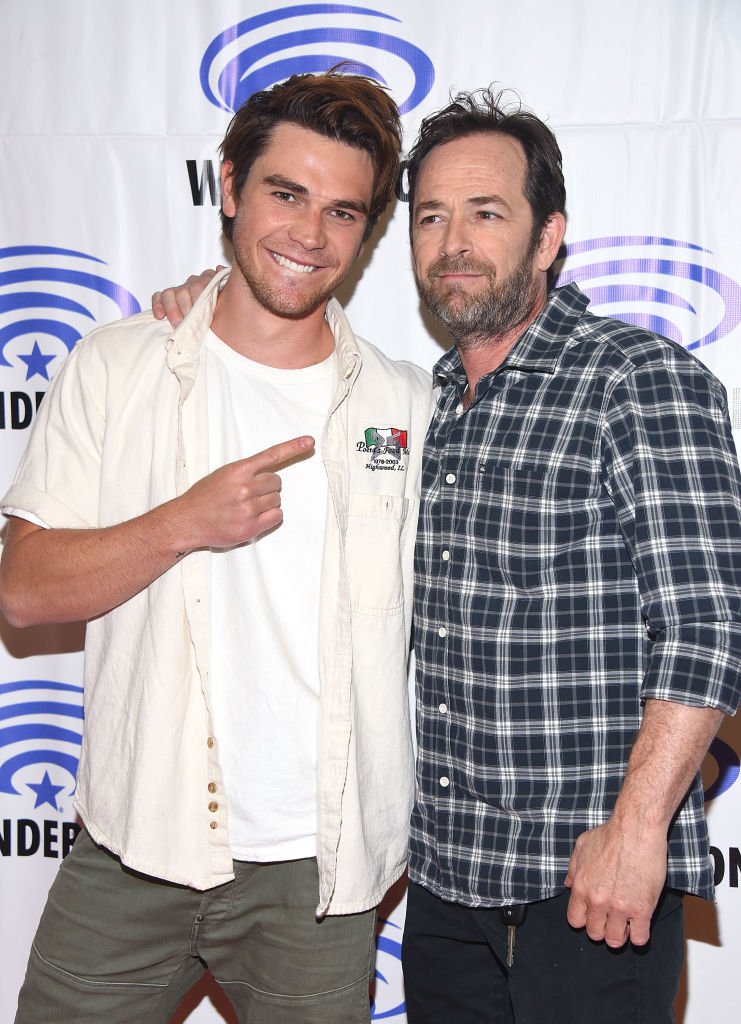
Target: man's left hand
x,y
616,878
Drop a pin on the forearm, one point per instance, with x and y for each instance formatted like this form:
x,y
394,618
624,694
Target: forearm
x,y
617,870
72,575
667,753
69,575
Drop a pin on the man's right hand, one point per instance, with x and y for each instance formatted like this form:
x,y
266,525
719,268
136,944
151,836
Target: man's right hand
x,y
239,501
175,303
67,575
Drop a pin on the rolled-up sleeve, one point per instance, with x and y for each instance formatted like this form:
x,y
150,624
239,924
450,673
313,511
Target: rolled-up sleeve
x,y
670,465
58,478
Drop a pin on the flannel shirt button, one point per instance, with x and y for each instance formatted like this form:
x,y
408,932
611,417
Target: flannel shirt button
x,y
444,781
446,555
443,709
459,409
442,631
450,478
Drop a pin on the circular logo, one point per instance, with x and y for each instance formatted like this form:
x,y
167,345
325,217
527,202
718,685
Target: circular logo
x,y
389,1000
729,767
41,728
254,54
45,295
665,285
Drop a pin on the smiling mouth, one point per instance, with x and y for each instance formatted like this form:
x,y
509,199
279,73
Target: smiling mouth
x,y
299,268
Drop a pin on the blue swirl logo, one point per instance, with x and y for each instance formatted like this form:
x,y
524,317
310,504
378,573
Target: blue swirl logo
x,y
388,974
250,56
46,294
41,722
729,768
662,284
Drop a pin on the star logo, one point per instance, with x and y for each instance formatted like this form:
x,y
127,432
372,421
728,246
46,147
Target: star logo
x,y
46,792
36,362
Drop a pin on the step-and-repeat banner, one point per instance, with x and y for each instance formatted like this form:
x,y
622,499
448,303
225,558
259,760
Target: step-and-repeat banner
x,y
111,118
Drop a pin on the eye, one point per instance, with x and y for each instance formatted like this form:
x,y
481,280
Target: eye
x,y
489,215
429,218
343,215
285,197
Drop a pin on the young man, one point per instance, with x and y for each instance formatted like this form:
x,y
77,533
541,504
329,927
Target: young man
x,y
245,801
577,610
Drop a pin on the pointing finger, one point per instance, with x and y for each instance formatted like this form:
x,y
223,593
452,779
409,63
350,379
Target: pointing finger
x,y
267,460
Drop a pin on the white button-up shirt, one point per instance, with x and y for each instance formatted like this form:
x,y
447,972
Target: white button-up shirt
x,y
122,430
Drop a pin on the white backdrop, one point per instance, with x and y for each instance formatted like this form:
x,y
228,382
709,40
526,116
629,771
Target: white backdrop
x,y
111,113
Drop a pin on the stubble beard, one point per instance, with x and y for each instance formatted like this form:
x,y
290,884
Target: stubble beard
x,y
283,302
474,320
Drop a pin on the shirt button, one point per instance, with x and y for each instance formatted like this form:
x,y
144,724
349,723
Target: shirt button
x,y
446,556
213,824
442,631
450,478
443,709
459,409
212,787
213,806
210,741
444,781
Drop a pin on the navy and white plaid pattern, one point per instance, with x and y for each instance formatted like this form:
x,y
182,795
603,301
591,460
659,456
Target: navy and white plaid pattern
x,y
578,551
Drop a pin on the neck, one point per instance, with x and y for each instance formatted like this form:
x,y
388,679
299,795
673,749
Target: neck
x,y
265,337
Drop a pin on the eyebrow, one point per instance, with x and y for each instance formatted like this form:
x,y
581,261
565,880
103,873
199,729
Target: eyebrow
x,y
475,201
278,181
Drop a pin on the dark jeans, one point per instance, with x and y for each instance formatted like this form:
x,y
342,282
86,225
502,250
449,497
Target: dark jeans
x,y
455,969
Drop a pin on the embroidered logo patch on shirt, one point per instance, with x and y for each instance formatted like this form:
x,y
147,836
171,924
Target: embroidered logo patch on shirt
x,y
385,445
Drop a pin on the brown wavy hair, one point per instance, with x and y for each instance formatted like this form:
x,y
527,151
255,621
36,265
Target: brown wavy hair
x,y
351,109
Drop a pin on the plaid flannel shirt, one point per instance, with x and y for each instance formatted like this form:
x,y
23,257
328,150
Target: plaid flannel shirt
x,y
578,552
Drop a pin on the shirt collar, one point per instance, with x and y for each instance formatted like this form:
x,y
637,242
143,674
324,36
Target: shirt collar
x,y
346,345
185,341
539,347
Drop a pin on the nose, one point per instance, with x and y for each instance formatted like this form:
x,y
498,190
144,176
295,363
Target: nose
x,y
307,228
456,240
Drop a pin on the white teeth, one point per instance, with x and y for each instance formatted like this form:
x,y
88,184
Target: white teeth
x,y
301,268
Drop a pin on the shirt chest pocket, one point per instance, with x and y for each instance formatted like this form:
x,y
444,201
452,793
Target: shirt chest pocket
x,y
536,519
539,487
375,526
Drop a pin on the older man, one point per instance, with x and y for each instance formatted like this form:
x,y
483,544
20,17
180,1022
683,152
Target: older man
x,y
577,610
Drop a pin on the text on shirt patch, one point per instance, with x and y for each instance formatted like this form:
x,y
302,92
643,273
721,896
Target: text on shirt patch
x,y
386,445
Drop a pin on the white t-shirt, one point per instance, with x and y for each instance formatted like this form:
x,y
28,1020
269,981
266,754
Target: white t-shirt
x,y
265,600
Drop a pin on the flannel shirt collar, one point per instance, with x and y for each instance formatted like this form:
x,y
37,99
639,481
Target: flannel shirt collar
x,y
540,346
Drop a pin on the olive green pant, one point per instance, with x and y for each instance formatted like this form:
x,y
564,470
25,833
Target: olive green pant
x,y
119,947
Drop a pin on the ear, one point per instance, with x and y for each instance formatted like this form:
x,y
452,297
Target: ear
x,y
551,238
228,199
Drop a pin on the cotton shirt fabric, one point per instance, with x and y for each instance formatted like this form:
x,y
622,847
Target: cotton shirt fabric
x,y
265,608
578,553
123,429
